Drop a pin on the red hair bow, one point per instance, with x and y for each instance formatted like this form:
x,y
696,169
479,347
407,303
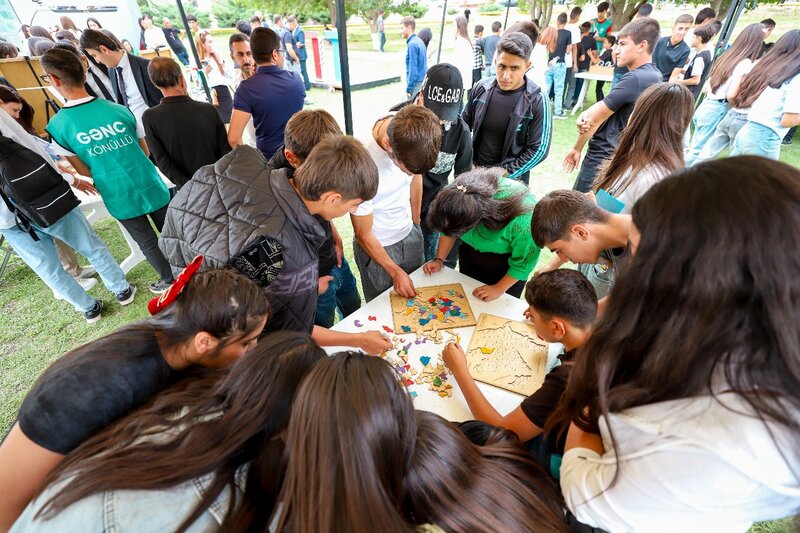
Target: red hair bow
x,y
165,300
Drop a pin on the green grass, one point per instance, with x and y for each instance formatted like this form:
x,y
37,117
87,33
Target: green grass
x,y
35,329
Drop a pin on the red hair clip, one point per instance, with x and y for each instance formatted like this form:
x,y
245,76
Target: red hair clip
x,y
165,300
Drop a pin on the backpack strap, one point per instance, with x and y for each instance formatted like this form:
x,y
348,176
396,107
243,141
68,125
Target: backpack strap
x,y
23,224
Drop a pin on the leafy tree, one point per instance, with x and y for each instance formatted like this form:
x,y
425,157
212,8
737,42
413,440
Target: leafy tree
x,y
229,12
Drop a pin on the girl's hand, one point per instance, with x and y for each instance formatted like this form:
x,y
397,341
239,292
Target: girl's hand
x,y
454,357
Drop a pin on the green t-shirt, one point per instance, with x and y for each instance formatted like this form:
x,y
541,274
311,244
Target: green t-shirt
x,y
515,238
600,29
102,134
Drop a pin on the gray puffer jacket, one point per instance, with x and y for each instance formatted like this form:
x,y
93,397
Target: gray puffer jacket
x,y
239,209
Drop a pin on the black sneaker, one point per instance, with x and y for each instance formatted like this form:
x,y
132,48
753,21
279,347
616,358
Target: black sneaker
x,y
94,314
125,297
159,287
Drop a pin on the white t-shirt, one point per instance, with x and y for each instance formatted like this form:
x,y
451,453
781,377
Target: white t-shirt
x,y
771,104
645,178
154,37
539,58
744,66
391,207
575,32
696,464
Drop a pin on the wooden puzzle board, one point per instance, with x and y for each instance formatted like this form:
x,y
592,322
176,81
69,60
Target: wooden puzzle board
x,y
433,308
507,354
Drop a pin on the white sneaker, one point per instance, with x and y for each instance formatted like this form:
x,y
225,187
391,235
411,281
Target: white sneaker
x,y
86,284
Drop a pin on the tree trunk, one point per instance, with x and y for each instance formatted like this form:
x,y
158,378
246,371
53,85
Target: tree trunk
x,y
548,14
332,12
373,21
622,12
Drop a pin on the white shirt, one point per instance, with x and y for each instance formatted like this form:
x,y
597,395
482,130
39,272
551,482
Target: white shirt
x,y
769,107
689,465
391,207
575,32
215,77
645,178
136,102
539,59
11,129
462,59
155,37
249,134
744,66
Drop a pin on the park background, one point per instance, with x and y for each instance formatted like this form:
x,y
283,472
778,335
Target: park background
x,y
36,329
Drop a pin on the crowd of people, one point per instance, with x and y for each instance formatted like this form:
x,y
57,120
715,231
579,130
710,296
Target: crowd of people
x,y
674,405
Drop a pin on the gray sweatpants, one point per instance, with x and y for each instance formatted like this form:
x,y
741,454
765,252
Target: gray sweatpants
x,y
408,255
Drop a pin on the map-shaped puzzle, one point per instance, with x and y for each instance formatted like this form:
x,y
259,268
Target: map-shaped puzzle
x,y
507,354
433,308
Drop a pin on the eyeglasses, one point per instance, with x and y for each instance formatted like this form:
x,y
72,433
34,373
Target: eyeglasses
x,y
45,78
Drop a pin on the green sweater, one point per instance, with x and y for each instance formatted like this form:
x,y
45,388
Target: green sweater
x,y
515,238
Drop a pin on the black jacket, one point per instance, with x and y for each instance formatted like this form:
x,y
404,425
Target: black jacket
x,y
184,135
227,207
149,92
530,127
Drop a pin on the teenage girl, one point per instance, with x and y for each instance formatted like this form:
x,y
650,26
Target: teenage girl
x,y
772,91
684,417
711,136
214,320
492,217
203,441
650,147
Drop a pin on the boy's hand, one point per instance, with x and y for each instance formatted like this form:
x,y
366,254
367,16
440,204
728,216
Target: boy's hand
x,y
454,357
487,293
403,285
432,267
324,281
572,160
373,342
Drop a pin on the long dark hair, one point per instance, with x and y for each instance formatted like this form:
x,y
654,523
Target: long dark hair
x,y
461,27
227,305
7,94
231,418
350,442
779,64
459,486
40,31
653,137
747,46
469,201
92,19
721,235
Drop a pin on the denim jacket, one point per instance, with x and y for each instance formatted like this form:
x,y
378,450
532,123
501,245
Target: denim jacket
x,y
142,511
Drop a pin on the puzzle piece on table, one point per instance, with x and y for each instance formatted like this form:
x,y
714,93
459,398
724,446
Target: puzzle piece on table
x,y
486,350
424,360
372,318
387,329
358,323
406,329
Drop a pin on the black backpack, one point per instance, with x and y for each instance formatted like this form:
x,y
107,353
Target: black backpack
x,y
31,188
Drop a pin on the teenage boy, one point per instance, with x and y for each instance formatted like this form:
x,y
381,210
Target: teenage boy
x,y
99,139
606,59
387,245
694,74
601,26
477,54
416,56
489,45
601,124
671,52
587,55
182,134
193,25
337,285
442,93
556,75
508,114
562,306
270,97
574,228
571,57
244,214
128,73
703,16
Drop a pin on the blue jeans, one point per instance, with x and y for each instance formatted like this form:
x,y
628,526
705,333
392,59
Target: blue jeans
x,y
617,76
41,256
723,136
382,40
555,76
342,295
706,119
757,139
430,244
183,57
304,72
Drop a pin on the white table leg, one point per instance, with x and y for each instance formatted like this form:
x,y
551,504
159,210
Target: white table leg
x,y
581,96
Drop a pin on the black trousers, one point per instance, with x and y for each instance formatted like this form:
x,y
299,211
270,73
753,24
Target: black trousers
x,y
144,235
225,101
486,267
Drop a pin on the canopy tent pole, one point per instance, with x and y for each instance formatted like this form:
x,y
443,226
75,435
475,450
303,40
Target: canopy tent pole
x,y
341,28
441,33
730,23
200,72
508,7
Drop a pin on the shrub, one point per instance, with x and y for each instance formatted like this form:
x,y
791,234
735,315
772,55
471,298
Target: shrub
x,y
229,12
491,8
